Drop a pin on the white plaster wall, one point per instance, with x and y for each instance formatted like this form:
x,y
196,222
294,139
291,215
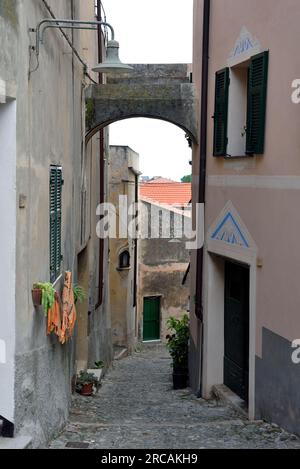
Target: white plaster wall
x,y
7,256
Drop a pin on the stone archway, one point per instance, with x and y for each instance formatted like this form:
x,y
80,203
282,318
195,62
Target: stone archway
x,y
162,92
154,91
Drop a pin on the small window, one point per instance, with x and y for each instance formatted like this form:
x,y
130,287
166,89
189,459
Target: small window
x,y
124,260
56,183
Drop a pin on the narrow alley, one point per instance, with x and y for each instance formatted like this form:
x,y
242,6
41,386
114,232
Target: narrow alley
x,y
149,203
136,408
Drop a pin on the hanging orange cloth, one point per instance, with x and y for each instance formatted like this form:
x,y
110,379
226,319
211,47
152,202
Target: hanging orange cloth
x,y
68,310
54,317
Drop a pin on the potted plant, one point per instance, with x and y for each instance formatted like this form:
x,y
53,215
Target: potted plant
x,y
85,383
99,365
79,294
97,371
177,343
43,294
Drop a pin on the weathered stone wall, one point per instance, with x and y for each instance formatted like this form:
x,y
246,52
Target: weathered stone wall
x,y
122,182
50,130
154,91
153,74
162,265
8,11
99,316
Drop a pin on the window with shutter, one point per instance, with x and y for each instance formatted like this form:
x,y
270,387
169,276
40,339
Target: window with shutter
x,y
257,100
221,113
56,183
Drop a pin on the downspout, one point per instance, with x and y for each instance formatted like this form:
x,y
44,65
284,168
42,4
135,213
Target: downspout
x,y
202,176
102,164
136,244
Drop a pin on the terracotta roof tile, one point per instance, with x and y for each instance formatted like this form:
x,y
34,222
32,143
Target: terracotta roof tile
x,y
174,193
160,180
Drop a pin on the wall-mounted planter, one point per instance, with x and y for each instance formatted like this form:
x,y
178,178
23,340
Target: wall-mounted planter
x,y
43,294
36,297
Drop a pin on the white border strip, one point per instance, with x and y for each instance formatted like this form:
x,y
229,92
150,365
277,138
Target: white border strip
x,y
256,182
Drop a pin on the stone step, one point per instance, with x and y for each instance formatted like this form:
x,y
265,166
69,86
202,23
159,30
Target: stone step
x,y
120,352
225,395
19,442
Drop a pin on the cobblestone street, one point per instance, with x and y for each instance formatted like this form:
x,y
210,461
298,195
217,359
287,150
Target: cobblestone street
x,y
137,408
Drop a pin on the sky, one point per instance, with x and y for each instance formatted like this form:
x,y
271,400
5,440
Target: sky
x,y
153,31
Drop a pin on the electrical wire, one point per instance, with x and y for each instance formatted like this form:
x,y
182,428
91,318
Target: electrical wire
x,y
85,67
104,19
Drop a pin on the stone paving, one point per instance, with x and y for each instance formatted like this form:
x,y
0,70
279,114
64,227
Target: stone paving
x,y
137,408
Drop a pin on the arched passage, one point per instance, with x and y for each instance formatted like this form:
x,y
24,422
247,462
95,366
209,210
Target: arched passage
x,y
93,130
159,92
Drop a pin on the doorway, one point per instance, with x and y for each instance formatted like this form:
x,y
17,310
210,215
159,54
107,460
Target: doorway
x,y
236,329
151,322
8,204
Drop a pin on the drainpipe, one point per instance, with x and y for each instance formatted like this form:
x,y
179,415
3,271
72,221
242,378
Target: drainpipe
x,y
202,176
102,164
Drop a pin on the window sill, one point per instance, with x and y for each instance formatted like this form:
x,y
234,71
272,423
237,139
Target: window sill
x,y
238,157
123,269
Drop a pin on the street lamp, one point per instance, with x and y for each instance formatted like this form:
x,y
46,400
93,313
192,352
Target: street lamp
x,y
112,61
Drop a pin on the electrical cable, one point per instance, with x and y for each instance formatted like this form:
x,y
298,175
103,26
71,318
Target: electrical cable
x,y
85,67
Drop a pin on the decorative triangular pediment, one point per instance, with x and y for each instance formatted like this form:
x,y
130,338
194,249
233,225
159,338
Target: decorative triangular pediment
x,y
245,46
230,229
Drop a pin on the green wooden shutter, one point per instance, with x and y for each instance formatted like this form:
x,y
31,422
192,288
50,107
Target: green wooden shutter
x,y
56,183
221,112
257,100
52,222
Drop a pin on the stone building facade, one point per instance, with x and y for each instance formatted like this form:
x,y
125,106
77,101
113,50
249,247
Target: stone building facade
x,y
163,262
123,248
42,122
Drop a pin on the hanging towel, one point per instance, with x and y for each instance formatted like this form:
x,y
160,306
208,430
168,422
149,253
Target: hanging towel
x,y
68,310
54,317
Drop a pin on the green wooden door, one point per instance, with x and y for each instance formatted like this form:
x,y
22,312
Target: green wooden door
x,y
236,360
151,319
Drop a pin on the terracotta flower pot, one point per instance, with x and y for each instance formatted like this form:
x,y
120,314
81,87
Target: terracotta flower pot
x,y
87,390
36,296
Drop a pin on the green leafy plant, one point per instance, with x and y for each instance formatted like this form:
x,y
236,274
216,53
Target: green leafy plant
x,y
99,365
85,378
79,294
186,179
48,295
178,341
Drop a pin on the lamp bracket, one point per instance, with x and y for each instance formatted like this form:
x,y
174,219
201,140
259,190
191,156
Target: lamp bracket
x,y
66,24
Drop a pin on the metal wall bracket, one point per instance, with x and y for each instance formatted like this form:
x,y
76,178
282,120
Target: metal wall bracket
x,y
66,24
